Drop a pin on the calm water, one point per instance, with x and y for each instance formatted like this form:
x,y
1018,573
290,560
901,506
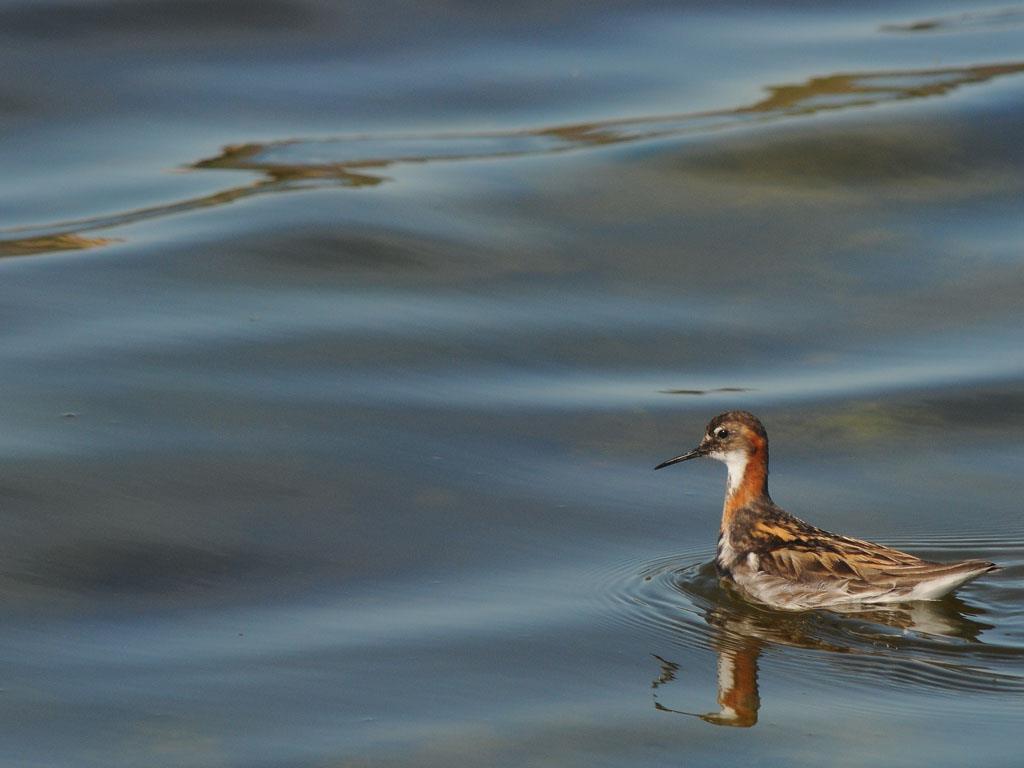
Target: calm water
x,y
339,341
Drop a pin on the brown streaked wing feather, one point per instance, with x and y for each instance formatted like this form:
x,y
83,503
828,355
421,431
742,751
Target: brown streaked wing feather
x,y
818,565
822,557
795,550
861,567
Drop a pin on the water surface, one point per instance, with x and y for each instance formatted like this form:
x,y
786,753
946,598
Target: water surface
x,y
339,344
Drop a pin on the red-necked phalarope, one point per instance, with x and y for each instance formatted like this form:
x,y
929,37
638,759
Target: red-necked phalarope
x,y
780,560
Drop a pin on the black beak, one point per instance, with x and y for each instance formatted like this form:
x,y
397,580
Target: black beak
x,y
696,453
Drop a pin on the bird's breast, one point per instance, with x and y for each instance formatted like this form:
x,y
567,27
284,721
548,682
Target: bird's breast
x,y
728,557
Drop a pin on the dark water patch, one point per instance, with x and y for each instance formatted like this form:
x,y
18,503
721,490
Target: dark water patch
x,y
134,568
66,21
866,157
995,20
717,390
378,260
978,413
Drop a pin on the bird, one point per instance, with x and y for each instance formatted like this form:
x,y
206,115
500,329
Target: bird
x,y
781,561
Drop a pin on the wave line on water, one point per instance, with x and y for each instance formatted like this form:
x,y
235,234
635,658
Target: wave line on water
x,y
358,161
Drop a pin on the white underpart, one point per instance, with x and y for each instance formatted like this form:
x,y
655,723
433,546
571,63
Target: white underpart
x,y
790,595
726,554
736,462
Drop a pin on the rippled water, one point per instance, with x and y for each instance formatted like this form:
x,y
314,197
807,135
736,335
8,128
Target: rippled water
x,y
340,340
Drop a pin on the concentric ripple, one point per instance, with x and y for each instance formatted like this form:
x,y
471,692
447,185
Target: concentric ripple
x,y
962,644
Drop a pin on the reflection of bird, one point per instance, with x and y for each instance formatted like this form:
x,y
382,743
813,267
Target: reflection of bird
x,y
741,630
738,699
780,560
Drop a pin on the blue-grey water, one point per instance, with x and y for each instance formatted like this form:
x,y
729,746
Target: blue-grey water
x,y
339,340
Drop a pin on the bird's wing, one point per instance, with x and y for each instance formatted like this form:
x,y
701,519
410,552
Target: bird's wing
x,y
863,570
795,564
817,556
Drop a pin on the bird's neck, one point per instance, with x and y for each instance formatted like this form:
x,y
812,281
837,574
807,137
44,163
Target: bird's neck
x,y
748,481
737,686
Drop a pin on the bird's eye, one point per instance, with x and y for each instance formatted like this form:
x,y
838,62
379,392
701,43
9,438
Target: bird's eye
x,y
721,432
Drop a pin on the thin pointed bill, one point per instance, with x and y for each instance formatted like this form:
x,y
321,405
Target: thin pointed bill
x,y
696,453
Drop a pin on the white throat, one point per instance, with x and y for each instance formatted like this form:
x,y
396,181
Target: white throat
x,y
736,463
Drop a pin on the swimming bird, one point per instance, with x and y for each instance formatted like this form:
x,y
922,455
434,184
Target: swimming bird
x,y
780,560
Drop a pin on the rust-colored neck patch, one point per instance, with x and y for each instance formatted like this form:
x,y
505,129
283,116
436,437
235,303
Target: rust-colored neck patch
x,y
753,486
